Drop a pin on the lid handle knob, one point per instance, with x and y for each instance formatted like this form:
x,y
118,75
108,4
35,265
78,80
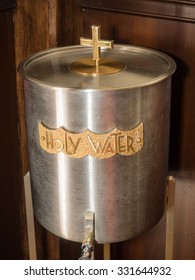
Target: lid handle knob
x,y
96,66
96,43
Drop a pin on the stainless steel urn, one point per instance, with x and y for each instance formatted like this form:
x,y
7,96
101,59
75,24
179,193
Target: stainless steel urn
x,y
98,137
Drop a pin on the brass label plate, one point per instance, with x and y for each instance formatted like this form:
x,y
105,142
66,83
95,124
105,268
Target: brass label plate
x,y
78,145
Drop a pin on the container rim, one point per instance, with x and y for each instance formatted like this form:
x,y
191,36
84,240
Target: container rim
x,y
171,66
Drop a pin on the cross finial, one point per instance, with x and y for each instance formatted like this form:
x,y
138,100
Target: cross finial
x,y
96,43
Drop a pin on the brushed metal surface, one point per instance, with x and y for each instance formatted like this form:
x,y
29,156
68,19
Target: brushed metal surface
x,y
143,67
126,193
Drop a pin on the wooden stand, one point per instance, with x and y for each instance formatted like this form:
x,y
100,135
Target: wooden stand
x,y
170,211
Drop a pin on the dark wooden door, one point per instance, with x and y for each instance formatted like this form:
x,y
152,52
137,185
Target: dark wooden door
x,y
11,196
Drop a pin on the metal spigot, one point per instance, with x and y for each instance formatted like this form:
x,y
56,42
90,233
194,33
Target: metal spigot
x,y
87,246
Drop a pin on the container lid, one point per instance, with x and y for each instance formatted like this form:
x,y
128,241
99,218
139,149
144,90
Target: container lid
x,y
138,67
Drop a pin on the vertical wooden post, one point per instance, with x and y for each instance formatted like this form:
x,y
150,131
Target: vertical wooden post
x,y
170,218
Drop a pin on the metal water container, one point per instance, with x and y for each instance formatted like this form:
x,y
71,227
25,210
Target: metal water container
x,y
98,137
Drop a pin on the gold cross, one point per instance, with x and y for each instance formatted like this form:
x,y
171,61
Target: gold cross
x,y
96,43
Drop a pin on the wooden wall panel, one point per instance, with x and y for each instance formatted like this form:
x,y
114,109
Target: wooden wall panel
x,y
176,9
188,103
11,233
184,232
7,5
69,22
